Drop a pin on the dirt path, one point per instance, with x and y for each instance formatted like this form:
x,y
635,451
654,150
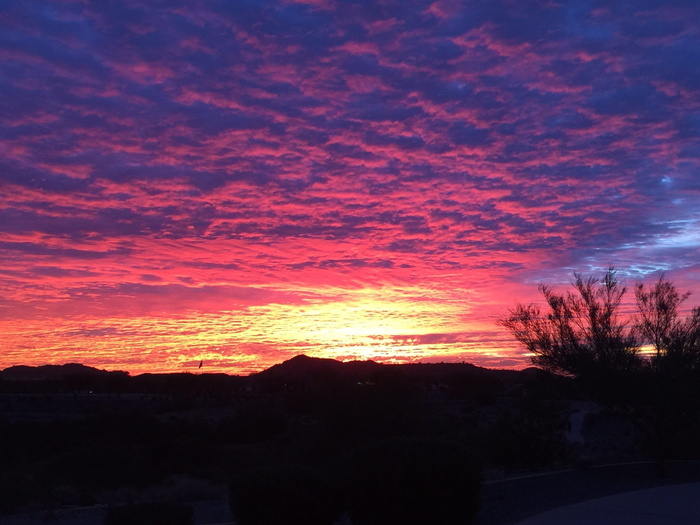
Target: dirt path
x,y
509,501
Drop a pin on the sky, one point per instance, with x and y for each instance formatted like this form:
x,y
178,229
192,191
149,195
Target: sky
x,y
238,182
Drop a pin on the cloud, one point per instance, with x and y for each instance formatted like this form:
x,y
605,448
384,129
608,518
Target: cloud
x,y
186,157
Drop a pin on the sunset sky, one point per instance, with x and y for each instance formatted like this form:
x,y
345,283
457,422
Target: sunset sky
x,y
242,181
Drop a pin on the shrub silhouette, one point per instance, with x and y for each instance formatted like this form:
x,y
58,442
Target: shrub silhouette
x,y
17,489
284,494
156,513
253,424
583,334
531,437
413,482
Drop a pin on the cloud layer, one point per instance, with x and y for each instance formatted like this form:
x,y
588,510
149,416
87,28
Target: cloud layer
x,y
243,181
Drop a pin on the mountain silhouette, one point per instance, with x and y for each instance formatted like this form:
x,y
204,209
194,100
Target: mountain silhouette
x,y
303,366
47,372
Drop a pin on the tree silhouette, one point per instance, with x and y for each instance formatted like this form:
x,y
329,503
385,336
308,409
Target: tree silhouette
x,y
582,334
676,341
413,482
284,494
668,399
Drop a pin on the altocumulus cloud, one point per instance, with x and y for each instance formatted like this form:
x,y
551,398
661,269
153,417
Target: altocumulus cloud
x,y
190,156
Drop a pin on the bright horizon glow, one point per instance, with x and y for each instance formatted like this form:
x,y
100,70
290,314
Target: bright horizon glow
x,y
350,329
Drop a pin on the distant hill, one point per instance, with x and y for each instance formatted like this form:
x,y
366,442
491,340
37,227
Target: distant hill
x,y
299,367
303,366
458,376
303,370
45,372
300,375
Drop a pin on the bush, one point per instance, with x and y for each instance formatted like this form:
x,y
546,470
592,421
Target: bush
x,y
531,437
17,490
253,424
157,513
284,495
413,482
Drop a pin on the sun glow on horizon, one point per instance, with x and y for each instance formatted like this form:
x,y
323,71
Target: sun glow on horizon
x,y
381,325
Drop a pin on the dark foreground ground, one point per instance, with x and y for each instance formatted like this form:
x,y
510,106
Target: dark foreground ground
x,y
205,513
78,441
505,502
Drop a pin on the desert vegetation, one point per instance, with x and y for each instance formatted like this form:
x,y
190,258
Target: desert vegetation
x,y
583,334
